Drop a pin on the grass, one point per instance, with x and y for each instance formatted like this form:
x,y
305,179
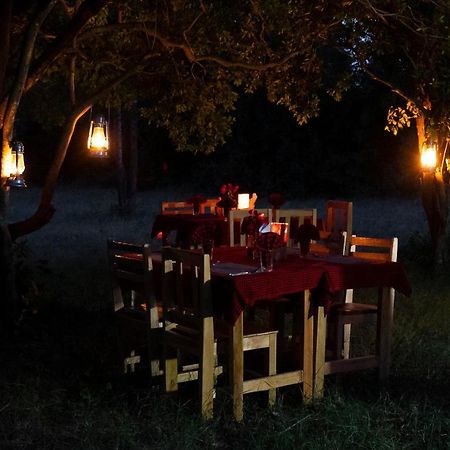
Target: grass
x,y
59,386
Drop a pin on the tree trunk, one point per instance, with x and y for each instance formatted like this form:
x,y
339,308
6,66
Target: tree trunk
x,y
133,158
118,157
8,295
435,201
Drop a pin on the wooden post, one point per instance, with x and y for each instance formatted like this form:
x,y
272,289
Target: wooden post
x,y
237,368
384,331
308,350
319,354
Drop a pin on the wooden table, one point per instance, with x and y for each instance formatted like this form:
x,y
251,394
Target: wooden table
x,y
314,281
319,278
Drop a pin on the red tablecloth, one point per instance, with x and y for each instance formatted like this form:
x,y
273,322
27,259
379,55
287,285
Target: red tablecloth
x,y
325,275
186,225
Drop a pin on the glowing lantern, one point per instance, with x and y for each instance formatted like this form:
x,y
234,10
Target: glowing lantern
x,y
428,156
98,140
16,165
243,201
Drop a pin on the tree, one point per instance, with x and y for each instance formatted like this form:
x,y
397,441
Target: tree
x,y
188,60
407,49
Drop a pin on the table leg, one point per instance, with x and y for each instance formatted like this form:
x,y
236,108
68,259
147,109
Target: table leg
x,y
237,368
308,349
385,323
319,350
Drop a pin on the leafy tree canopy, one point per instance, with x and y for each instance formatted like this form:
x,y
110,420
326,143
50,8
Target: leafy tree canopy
x,y
192,59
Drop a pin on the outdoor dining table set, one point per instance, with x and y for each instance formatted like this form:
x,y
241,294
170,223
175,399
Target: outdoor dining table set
x,y
312,284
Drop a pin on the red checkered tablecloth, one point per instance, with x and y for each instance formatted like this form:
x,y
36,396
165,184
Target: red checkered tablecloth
x,y
324,275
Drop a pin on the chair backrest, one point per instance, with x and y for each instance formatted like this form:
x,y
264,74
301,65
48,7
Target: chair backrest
x,y
235,219
186,288
209,207
339,217
294,218
177,208
380,249
132,277
329,243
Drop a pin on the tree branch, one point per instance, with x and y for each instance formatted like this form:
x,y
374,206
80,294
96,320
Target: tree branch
x,y
186,49
5,26
389,85
19,83
87,10
45,209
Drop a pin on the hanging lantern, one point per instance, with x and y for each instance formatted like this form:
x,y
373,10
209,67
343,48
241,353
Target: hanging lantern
x,y
428,156
98,140
16,165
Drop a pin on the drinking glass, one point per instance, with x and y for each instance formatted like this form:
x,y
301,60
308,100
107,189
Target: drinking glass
x,y
266,260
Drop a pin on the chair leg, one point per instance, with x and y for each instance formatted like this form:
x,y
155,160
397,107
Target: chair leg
x,y
206,380
272,366
131,361
338,338
346,340
206,372
171,374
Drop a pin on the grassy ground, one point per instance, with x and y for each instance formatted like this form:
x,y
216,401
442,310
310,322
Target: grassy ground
x,y
59,386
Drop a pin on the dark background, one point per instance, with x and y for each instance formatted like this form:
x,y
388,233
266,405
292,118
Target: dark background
x,y
345,151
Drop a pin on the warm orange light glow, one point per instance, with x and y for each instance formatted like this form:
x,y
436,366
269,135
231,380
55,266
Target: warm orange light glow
x,y
20,166
8,167
280,228
15,165
98,139
428,156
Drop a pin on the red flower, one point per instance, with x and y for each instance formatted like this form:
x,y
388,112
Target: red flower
x,y
269,241
251,224
228,196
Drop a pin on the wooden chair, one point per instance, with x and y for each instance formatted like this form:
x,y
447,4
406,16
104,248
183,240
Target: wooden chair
x,y
177,208
235,218
339,217
329,243
209,207
135,306
190,327
343,315
281,307
294,218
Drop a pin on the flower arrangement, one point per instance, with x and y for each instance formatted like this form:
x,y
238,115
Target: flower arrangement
x,y
204,236
306,232
251,223
196,200
250,227
228,197
269,241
